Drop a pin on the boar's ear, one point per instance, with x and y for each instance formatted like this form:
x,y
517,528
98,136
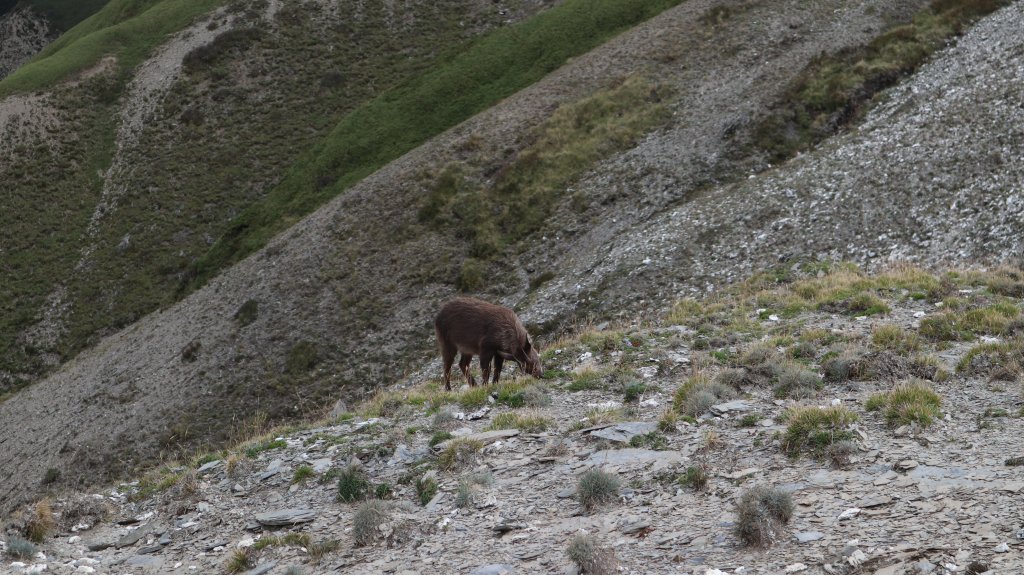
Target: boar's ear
x,y
527,345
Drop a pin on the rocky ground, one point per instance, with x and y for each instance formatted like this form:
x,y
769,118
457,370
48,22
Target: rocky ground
x,y
23,33
487,480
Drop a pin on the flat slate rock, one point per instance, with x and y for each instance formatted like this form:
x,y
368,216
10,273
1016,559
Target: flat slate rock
x,y
808,536
623,432
628,456
731,406
261,569
876,501
493,570
281,517
209,466
485,437
133,537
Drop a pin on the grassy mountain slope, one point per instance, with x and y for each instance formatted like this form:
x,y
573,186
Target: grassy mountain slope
x,y
341,302
272,85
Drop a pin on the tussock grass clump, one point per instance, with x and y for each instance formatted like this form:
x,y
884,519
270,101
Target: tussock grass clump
x,y
426,488
439,437
795,380
367,521
732,377
466,493
695,477
302,473
986,358
241,560
758,359
536,395
588,379
352,483
913,401
814,429
40,522
597,488
955,325
652,440
840,453
762,512
698,393
894,338
590,557
458,454
18,548
317,550
668,421
846,364
525,422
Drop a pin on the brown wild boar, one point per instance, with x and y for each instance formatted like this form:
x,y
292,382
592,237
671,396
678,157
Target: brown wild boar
x,y
473,327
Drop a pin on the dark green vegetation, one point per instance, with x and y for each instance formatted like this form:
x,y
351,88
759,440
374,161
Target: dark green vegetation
x,y
311,121
179,186
833,89
494,67
129,29
63,14
492,217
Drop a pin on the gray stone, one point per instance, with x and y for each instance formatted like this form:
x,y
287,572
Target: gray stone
x,y
261,569
321,465
281,517
99,545
738,405
276,466
493,570
217,543
566,493
149,549
633,456
924,566
485,437
635,526
808,536
144,561
405,454
133,537
209,466
876,501
431,506
623,432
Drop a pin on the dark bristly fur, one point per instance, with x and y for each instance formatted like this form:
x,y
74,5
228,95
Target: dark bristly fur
x,y
473,327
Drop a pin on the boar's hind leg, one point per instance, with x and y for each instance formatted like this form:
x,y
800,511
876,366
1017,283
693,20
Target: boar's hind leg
x,y
485,363
498,360
448,357
464,366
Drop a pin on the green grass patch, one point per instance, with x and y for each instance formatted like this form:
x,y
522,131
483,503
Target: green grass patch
x,y
813,429
698,393
894,338
833,89
494,67
911,402
129,29
252,452
526,422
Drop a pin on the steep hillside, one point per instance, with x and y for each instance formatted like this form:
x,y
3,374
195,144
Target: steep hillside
x,y
889,442
595,191
23,33
143,145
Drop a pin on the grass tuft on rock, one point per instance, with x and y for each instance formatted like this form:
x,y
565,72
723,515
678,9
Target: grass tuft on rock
x,y
597,488
352,483
367,521
698,393
762,512
913,401
19,548
590,557
813,429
